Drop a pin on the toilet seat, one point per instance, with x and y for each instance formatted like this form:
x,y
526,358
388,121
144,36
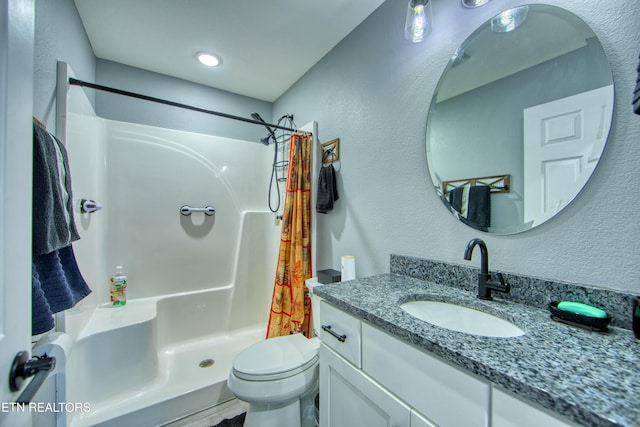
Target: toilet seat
x,y
276,358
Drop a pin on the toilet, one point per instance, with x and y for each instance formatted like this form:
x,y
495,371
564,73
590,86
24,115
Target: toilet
x,y
278,377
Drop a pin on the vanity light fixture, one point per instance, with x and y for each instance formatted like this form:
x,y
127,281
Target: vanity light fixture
x,y
474,3
208,59
509,20
418,22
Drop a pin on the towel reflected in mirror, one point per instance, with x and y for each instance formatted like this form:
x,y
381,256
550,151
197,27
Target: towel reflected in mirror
x,y
473,204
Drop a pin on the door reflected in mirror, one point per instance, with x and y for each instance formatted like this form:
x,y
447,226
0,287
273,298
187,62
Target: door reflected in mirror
x,y
519,120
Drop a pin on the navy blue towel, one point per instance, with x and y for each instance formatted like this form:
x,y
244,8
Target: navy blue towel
x,y
41,315
56,282
57,285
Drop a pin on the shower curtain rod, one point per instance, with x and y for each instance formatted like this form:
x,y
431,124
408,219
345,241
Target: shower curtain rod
x,y
76,82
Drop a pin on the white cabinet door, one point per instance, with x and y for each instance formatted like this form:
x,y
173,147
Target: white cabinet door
x,y
348,397
446,394
508,410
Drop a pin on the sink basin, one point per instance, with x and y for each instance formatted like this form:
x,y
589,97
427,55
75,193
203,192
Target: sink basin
x,y
461,319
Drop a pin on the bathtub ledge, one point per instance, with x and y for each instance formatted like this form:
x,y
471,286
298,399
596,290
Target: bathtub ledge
x,y
106,317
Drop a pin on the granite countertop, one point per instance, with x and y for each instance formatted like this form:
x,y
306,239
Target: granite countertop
x,y
591,378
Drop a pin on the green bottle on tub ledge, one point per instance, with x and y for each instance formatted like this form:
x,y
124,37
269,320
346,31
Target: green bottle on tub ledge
x,y
118,289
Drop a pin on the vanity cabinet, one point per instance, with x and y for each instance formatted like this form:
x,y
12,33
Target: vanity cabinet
x,y
373,379
349,397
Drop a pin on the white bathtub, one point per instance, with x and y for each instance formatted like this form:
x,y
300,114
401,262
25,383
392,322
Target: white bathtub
x,y
199,286
140,364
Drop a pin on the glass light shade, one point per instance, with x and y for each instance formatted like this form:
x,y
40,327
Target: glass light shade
x,y
418,23
474,3
509,20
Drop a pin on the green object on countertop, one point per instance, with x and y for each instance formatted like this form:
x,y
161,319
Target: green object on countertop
x,y
583,309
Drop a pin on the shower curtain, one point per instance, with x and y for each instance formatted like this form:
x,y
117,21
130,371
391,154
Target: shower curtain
x,y
291,303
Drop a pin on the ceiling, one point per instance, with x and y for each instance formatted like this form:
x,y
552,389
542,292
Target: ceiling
x,y
547,33
265,46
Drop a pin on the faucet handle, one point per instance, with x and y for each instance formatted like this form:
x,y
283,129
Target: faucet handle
x,y
503,282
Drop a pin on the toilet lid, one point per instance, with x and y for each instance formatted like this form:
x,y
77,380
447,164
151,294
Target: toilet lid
x,y
276,356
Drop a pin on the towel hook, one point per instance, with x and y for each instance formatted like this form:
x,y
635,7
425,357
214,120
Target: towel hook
x,y
330,151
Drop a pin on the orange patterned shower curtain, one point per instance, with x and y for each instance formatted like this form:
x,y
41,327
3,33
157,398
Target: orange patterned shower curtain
x,y
291,304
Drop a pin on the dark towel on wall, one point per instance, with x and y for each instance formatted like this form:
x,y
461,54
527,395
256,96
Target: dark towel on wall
x,y
479,207
327,189
53,222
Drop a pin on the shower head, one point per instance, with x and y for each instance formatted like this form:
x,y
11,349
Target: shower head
x,y
265,140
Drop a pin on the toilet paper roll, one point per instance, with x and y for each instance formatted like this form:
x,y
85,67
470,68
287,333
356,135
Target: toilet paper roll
x,y
348,269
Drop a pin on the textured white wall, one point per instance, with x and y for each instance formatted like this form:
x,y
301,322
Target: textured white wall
x,y
373,91
59,36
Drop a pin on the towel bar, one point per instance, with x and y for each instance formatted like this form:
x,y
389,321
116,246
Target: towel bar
x,y
188,210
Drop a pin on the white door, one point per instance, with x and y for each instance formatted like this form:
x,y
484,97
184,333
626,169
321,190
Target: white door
x,y
16,109
563,141
348,397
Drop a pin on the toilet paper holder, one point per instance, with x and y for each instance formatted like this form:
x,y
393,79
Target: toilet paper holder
x,y
24,367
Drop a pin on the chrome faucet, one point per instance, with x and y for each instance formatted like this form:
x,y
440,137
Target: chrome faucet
x,y
485,284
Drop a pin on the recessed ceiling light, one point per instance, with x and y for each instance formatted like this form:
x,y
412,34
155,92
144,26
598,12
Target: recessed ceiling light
x,y
208,59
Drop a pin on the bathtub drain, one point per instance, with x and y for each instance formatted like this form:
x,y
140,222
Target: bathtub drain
x,y
206,363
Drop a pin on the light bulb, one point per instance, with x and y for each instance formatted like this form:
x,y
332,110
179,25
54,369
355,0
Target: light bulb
x,y
418,23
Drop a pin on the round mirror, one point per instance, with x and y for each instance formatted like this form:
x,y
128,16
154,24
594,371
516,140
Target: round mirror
x,y
519,119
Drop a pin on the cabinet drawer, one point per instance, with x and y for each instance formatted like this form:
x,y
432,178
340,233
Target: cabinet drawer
x,y
445,394
341,332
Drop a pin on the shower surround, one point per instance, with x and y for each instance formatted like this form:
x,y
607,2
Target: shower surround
x,y
199,286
